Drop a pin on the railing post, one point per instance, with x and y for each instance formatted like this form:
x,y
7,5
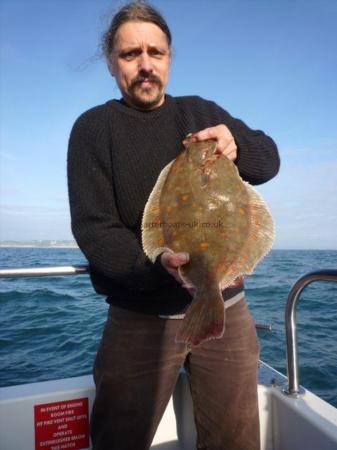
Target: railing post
x,y
290,325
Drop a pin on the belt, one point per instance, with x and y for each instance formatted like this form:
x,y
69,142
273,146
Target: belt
x,y
228,303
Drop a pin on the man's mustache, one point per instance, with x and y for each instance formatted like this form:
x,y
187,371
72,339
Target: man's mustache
x,y
150,77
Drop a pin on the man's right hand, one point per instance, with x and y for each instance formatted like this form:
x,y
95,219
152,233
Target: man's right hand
x,y
171,262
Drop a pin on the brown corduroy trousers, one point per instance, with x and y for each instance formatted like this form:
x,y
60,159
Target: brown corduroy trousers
x,y
137,366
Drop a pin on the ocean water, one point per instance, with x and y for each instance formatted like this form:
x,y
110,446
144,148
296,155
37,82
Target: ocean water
x,y
50,327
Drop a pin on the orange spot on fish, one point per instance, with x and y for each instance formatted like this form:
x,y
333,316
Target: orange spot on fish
x,y
242,211
174,233
155,208
168,208
160,241
204,245
237,229
184,197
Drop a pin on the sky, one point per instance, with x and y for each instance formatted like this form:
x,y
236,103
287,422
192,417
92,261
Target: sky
x,y
271,63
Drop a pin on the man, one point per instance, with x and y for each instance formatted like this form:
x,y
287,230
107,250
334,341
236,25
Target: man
x,y
116,152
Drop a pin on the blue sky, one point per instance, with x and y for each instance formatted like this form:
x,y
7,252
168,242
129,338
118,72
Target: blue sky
x,y
271,63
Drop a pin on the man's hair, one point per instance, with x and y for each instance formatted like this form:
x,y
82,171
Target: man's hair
x,y
137,11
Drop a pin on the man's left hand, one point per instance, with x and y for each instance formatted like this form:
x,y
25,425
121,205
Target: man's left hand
x,y
225,140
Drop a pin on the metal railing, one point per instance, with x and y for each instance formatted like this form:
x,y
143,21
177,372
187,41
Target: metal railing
x,y
44,271
290,325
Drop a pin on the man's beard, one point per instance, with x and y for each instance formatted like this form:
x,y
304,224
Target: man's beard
x,y
138,94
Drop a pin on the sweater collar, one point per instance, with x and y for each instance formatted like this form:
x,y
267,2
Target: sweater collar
x,y
121,106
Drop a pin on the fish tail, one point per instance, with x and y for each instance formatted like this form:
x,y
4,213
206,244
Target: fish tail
x,y
204,319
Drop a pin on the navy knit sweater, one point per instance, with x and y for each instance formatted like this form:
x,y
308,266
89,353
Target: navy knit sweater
x,y
115,156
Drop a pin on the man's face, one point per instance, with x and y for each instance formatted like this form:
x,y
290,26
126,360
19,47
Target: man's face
x,y
140,62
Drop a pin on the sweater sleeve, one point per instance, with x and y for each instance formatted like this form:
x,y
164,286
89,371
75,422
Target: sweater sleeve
x,y
258,158
111,249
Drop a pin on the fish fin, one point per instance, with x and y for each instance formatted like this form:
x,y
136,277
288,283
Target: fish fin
x,y
204,319
152,231
260,235
259,239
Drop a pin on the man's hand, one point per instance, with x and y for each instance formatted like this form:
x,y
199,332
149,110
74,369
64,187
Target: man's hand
x,y
225,140
171,262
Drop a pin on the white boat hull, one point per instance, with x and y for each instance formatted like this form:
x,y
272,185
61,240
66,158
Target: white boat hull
x,y
286,423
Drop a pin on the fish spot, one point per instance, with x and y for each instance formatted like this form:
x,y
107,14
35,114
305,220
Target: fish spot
x,y
242,211
174,234
168,208
237,229
184,197
204,245
160,241
156,220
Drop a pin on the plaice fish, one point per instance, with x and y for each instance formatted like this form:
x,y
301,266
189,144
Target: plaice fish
x,y
201,205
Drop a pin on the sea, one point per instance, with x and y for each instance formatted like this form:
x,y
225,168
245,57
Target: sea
x,y
50,327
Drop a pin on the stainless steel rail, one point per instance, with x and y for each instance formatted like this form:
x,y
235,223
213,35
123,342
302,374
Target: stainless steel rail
x,y
290,325
44,271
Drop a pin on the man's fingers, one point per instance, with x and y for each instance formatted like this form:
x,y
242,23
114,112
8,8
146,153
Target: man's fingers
x,y
228,149
203,135
171,262
225,141
219,132
174,260
232,156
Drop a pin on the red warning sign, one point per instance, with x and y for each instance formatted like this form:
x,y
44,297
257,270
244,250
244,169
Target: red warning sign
x,y
62,425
